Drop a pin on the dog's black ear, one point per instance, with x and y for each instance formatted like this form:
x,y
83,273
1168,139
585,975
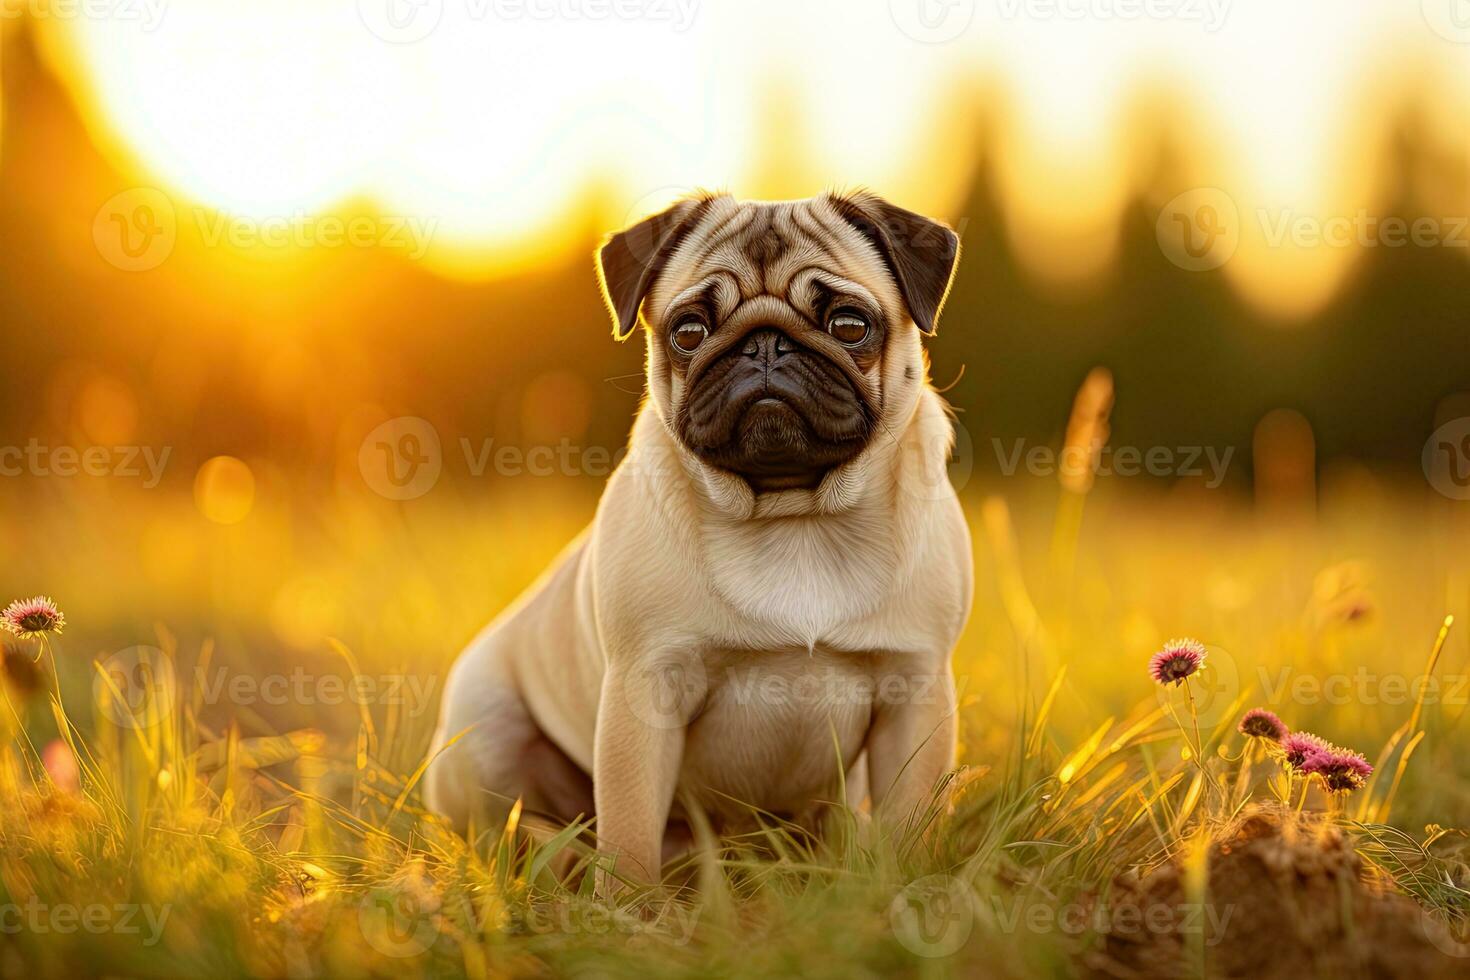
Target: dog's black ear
x,y
920,252
630,260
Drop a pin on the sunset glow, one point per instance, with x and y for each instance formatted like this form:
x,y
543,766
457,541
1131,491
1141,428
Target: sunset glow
x,y
295,109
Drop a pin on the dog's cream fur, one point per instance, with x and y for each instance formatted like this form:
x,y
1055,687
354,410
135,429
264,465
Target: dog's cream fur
x,y
702,645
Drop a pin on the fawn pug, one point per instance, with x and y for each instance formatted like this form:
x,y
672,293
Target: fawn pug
x,y
764,607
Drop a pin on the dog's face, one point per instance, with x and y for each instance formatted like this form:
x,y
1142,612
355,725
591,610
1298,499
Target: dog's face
x,y
782,337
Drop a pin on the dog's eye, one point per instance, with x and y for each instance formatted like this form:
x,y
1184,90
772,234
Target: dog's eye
x,y
689,333
848,327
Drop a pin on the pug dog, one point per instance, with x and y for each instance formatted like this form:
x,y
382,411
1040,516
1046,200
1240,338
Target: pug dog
x,y
760,618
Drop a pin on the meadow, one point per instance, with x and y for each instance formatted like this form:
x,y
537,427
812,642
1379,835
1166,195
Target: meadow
x,y
224,781
265,230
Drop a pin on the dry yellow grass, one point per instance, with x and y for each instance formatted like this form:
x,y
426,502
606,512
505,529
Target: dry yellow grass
x,y
265,819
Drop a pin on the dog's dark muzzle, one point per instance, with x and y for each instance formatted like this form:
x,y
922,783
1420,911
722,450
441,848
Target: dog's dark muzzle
x,y
774,411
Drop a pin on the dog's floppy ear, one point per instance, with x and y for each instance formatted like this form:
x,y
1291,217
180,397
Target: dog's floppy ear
x,y
920,252
631,259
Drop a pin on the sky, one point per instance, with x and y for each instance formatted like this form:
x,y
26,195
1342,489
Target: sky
x,y
501,119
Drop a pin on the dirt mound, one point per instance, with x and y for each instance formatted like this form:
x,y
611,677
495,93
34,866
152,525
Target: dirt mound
x,y
1285,899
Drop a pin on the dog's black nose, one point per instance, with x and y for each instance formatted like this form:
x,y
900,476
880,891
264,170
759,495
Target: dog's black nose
x,y
767,344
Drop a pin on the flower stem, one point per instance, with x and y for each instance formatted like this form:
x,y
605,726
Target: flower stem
x,y
50,653
1243,776
1199,744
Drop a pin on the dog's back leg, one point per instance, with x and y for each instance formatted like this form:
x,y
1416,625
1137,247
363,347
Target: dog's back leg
x,y
498,754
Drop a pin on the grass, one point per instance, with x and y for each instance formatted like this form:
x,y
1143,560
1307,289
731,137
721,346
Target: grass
x,y
237,834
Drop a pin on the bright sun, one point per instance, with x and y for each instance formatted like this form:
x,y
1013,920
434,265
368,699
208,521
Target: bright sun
x,y
498,117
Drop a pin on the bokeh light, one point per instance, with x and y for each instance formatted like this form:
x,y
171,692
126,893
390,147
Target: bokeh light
x,y
224,490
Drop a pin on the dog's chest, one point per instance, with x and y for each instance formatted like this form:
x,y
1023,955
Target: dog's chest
x,y
801,579
774,725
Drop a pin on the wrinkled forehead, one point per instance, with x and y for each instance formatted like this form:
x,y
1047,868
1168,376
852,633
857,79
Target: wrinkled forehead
x,y
738,250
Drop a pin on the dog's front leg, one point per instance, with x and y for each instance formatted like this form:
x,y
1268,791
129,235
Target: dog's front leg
x,y
911,742
641,720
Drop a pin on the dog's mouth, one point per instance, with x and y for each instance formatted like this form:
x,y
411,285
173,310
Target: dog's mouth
x,y
775,413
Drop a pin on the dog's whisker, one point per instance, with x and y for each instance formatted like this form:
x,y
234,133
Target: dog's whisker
x,y
624,377
948,387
